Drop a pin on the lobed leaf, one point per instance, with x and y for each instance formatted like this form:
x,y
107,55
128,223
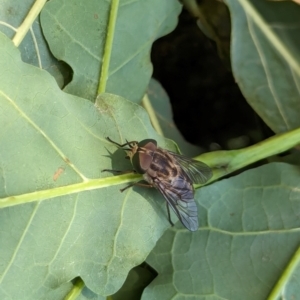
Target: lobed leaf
x,y
52,140
78,33
265,59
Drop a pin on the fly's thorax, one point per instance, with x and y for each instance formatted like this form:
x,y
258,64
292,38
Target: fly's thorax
x,y
163,165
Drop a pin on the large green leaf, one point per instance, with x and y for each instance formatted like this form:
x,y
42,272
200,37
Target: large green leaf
x,y
53,146
266,59
250,229
78,32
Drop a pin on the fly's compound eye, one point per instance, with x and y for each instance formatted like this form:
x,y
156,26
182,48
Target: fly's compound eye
x,y
148,144
141,162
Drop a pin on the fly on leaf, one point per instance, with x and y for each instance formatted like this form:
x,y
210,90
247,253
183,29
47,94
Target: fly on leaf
x,y
171,173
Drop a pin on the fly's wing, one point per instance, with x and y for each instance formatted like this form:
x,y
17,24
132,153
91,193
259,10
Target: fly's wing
x,y
180,196
196,171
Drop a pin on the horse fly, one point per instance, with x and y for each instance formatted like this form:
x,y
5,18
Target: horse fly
x,y
171,173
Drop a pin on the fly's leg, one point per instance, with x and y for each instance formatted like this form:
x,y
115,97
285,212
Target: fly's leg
x,y
121,145
126,187
138,184
169,216
121,172
126,172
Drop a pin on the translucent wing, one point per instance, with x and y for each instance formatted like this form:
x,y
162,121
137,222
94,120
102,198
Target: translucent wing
x,y
196,171
180,196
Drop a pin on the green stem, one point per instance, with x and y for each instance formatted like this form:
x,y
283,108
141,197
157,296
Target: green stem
x,y
225,162
28,21
222,162
277,291
76,290
68,189
152,115
108,46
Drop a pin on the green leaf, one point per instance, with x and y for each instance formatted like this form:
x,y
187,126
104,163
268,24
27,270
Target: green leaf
x,y
14,14
288,285
266,59
250,229
112,36
54,147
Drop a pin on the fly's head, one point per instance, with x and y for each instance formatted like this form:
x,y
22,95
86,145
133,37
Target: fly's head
x,y
141,154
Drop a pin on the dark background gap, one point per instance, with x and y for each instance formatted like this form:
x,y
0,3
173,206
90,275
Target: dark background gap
x,y
208,106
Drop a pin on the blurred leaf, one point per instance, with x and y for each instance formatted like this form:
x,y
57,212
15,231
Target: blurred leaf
x,y
163,111
77,30
266,59
49,140
296,1
214,21
34,49
293,158
250,229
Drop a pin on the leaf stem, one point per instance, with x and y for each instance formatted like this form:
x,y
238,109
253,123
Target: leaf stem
x,y
149,108
223,163
76,290
287,273
28,21
226,162
68,189
108,46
